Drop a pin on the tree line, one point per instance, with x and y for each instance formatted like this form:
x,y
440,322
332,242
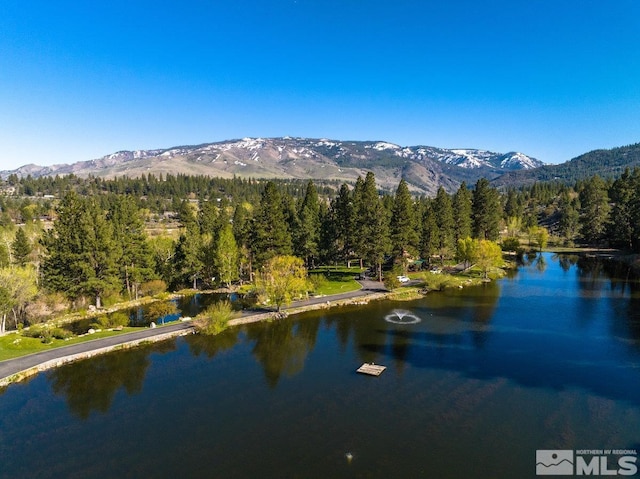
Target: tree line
x,y
99,245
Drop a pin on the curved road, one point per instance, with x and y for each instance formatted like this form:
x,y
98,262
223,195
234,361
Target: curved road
x,y
10,367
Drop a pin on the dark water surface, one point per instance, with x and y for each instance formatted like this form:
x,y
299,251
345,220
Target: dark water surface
x,y
547,359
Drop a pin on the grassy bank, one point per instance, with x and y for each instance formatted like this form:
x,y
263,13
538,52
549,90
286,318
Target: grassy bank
x,y
14,345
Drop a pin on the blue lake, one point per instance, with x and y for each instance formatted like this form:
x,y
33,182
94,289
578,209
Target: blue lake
x,y
477,380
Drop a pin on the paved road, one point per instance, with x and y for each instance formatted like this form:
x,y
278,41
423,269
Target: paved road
x,y
13,366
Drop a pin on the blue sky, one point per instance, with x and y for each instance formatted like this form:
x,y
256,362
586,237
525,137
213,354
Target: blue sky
x,y
552,79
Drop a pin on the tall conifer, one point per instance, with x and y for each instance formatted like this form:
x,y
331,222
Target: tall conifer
x,y
372,224
21,248
404,237
462,212
486,211
444,219
270,233
309,226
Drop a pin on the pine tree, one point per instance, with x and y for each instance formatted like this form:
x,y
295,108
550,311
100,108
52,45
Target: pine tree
x,y
270,233
429,238
242,234
81,252
189,258
100,253
622,228
462,212
404,237
309,226
569,222
207,217
372,225
21,248
241,225
187,215
486,211
135,260
444,219
63,244
513,208
594,211
634,209
343,218
329,251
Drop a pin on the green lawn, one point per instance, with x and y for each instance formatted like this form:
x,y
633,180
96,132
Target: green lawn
x,y
336,287
336,279
16,345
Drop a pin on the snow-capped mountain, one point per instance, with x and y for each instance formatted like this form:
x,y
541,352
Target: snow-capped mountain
x,y
424,167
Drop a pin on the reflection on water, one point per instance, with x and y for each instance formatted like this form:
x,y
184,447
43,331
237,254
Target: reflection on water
x,y
454,327
201,344
548,358
91,385
281,347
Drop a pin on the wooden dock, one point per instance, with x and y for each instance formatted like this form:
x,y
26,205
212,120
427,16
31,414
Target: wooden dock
x,y
371,369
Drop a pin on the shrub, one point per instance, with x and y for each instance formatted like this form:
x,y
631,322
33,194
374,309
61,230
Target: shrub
x,y
391,281
61,333
111,299
38,332
214,319
33,331
112,320
151,288
511,244
391,277
436,282
117,319
318,281
46,336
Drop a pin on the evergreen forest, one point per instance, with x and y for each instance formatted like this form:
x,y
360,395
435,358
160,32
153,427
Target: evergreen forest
x,y
73,241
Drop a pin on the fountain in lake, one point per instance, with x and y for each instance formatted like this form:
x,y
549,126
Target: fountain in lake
x,y
400,316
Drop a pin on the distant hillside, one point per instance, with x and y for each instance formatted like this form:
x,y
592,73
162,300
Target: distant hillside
x,y
605,163
425,168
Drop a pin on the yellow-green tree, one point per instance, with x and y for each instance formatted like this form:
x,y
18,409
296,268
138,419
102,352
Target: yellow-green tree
x,y
489,255
226,256
17,289
541,236
467,251
282,278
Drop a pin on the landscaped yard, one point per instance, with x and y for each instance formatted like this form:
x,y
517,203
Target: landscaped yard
x,y
334,280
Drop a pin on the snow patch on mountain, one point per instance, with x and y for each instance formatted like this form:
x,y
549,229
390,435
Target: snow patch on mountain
x,y
383,145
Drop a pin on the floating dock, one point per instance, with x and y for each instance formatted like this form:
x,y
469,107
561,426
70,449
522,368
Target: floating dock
x,y
371,369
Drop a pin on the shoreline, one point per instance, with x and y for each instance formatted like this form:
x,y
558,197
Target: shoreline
x,y
182,328
157,335
62,360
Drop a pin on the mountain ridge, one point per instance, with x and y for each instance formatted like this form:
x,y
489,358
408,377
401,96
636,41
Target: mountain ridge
x,y
607,163
424,167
